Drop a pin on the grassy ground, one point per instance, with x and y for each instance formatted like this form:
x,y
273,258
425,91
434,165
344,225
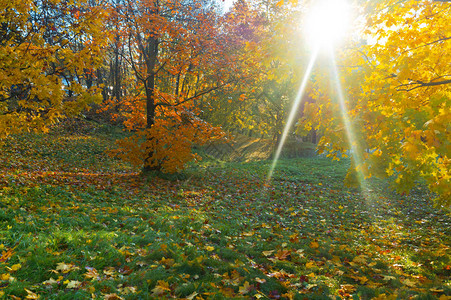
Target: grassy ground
x,y
76,224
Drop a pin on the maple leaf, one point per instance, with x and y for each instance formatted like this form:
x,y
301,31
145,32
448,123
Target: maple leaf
x,y
50,281
282,254
5,276
113,296
168,262
209,248
161,288
92,273
409,283
246,288
66,268
192,296
360,259
314,245
73,284
348,288
31,295
14,268
6,255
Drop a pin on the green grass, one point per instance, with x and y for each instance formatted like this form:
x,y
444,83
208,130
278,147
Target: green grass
x,y
76,224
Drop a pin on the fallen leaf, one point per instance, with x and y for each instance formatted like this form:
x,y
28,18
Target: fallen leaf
x,y
348,288
314,245
160,288
50,282
267,253
246,288
113,296
409,283
360,259
73,284
66,268
31,295
14,268
92,273
191,297
282,254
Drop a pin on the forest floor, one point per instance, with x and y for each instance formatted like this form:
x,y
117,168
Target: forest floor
x,y
77,224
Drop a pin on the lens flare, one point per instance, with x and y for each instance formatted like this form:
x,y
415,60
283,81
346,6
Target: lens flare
x,y
293,111
352,140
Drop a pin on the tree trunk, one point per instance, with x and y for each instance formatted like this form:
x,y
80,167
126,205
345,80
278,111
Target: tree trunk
x,y
151,60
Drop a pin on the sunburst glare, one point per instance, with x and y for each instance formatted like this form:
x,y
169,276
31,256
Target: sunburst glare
x,y
354,146
293,112
326,23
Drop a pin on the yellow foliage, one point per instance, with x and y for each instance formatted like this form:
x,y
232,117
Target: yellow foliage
x,y
32,93
398,95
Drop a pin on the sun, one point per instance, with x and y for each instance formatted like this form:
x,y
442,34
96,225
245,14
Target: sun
x,y
327,22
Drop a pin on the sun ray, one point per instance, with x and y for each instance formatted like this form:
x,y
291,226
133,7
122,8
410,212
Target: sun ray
x,y
297,102
354,146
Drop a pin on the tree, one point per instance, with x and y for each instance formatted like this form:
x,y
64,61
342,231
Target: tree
x,y
176,51
47,47
399,88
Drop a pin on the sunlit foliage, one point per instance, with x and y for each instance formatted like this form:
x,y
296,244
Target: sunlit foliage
x,y
397,83
46,49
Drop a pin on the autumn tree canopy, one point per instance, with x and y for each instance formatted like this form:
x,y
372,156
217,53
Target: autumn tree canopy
x,y
47,51
397,82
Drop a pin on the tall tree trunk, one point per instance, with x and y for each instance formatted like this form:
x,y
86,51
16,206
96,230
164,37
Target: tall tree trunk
x,y
151,60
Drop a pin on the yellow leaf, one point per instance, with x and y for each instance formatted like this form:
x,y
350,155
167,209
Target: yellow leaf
x,y
92,273
4,276
387,278
31,295
348,288
409,283
310,264
210,248
113,296
191,297
14,268
336,259
66,268
161,287
245,288
280,3
267,253
289,295
168,262
50,282
314,245
360,259
73,284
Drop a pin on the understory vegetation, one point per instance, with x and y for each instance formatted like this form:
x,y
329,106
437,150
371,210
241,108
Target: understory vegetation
x,y
77,224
